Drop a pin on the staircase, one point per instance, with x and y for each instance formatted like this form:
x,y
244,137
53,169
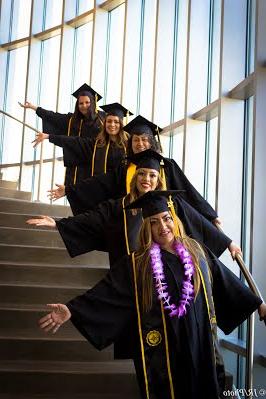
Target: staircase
x,y
35,269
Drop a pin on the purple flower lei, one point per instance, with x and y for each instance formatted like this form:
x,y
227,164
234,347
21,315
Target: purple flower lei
x,y
187,290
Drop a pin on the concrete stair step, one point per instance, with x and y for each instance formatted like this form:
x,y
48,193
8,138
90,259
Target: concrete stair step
x,y
22,236
31,254
67,396
33,208
8,219
8,184
58,275
47,349
21,320
32,294
11,193
70,377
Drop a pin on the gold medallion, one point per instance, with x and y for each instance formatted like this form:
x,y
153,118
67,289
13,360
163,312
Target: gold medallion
x,y
153,338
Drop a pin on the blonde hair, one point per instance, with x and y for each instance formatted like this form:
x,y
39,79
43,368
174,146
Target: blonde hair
x,y
143,267
120,139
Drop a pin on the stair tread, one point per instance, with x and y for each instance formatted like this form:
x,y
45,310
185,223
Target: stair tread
x,y
47,337
52,265
47,286
63,367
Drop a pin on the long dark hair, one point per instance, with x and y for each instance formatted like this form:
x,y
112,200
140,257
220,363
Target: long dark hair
x,y
153,142
92,117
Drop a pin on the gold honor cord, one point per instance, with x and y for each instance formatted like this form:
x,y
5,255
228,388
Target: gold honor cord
x,y
167,353
125,225
68,133
93,157
106,156
76,168
139,326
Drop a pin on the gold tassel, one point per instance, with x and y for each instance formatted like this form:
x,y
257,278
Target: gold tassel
x,y
96,103
159,141
127,116
170,205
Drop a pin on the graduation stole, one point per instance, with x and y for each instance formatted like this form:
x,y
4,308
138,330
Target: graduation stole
x,y
171,385
79,133
131,170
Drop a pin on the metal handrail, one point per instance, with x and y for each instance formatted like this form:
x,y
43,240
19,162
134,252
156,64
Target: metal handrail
x,y
251,321
41,149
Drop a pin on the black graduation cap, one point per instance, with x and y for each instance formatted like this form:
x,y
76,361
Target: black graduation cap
x,y
116,109
147,159
85,90
154,202
141,125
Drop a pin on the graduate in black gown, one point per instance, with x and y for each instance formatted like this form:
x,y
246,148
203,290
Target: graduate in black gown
x,y
93,156
114,228
169,297
86,195
86,121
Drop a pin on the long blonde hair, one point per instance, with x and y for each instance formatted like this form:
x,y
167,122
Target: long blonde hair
x,y
143,267
120,139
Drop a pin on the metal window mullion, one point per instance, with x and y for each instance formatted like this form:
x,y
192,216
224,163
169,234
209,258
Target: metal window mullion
x,y
123,54
58,86
107,52
186,88
155,61
173,83
25,97
209,90
141,35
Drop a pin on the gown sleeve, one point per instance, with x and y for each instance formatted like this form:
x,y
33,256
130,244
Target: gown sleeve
x,y
53,122
86,232
201,229
76,150
234,302
104,311
94,190
179,181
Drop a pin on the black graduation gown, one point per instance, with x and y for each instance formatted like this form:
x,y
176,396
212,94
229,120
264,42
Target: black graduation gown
x,y
78,151
92,191
105,311
103,228
57,124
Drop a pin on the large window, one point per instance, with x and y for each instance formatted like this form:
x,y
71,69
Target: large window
x,y
180,63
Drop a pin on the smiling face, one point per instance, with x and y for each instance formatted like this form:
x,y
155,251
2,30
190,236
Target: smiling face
x,y
140,143
84,104
112,125
147,180
162,229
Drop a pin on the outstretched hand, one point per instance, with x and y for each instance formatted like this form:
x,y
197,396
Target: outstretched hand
x,y
42,221
234,250
57,193
28,105
262,312
39,138
53,320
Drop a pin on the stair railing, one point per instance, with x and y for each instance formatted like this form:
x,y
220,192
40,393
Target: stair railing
x,y
41,150
251,323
